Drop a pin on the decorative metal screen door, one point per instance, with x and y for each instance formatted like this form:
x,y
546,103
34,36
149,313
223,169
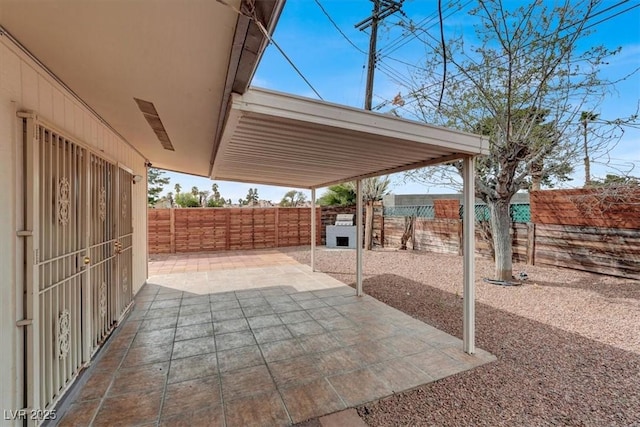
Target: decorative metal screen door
x,y
79,257
56,197
110,251
102,249
124,241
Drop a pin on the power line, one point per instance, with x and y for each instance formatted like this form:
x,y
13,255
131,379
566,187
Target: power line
x,y
271,40
528,44
407,38
398,42
338,28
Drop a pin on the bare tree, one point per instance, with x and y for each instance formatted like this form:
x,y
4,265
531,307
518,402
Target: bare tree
x,y
293,198
522,85
372,191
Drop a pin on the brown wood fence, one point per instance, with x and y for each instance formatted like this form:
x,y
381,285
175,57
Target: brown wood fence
x,y
445,236
218,229
595,230
591,230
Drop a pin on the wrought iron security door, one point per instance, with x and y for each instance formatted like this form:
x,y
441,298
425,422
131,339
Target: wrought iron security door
x,y
124,242
55,285
78,279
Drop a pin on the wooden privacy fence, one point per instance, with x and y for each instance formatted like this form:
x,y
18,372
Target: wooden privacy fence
x,y
218,229
595,230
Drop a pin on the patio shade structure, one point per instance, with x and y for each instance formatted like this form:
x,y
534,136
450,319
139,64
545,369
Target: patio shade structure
x,y
280,139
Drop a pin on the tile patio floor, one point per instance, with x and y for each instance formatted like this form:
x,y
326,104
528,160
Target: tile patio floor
x,y
265,345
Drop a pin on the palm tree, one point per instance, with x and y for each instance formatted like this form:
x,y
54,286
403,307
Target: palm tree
x,y
195,191
204,195
177,187
339,195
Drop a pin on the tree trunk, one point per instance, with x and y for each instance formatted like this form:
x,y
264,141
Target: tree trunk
x,y
536,176
500,231
368,226
409,222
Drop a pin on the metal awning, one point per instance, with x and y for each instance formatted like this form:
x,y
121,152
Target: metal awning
x,y
280,139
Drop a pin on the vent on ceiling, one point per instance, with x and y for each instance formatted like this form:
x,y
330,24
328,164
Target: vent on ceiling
x,y
151,114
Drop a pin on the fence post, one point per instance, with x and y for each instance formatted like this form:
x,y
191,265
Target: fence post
x,y
318,225
277,220
531,243
227,234
172,230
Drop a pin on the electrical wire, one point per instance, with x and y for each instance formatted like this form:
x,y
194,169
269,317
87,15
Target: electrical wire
x,y
264,31
338,28
411,35
415,66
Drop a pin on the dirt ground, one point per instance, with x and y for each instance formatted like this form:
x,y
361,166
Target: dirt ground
x,y
567,342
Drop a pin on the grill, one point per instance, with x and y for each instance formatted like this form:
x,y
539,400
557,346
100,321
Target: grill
x,y
343,233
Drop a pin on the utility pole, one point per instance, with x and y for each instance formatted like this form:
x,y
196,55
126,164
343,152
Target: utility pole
x,y
381,10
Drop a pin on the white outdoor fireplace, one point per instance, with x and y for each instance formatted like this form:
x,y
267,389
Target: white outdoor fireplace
x,y
343,233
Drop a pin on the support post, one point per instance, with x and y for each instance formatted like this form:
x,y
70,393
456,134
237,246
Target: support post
x,y
313,229
359,238
468,235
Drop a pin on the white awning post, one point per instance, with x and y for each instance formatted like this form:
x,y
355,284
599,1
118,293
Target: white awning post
x,y
468,234
359,238
313,229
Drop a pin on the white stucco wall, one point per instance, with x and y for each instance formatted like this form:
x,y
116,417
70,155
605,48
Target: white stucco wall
x,y
24,85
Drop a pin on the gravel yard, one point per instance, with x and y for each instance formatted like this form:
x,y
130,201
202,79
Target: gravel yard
x,y
567,342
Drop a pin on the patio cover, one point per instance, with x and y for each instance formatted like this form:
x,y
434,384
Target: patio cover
x,y
280,139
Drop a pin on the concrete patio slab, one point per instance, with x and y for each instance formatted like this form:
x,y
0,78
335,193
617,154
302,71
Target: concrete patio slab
x,y
260,345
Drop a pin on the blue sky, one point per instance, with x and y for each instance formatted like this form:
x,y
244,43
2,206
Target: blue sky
x,y
337,70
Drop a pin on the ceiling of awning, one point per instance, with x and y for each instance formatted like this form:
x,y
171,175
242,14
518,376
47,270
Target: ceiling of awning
x,y
177,61
279,139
